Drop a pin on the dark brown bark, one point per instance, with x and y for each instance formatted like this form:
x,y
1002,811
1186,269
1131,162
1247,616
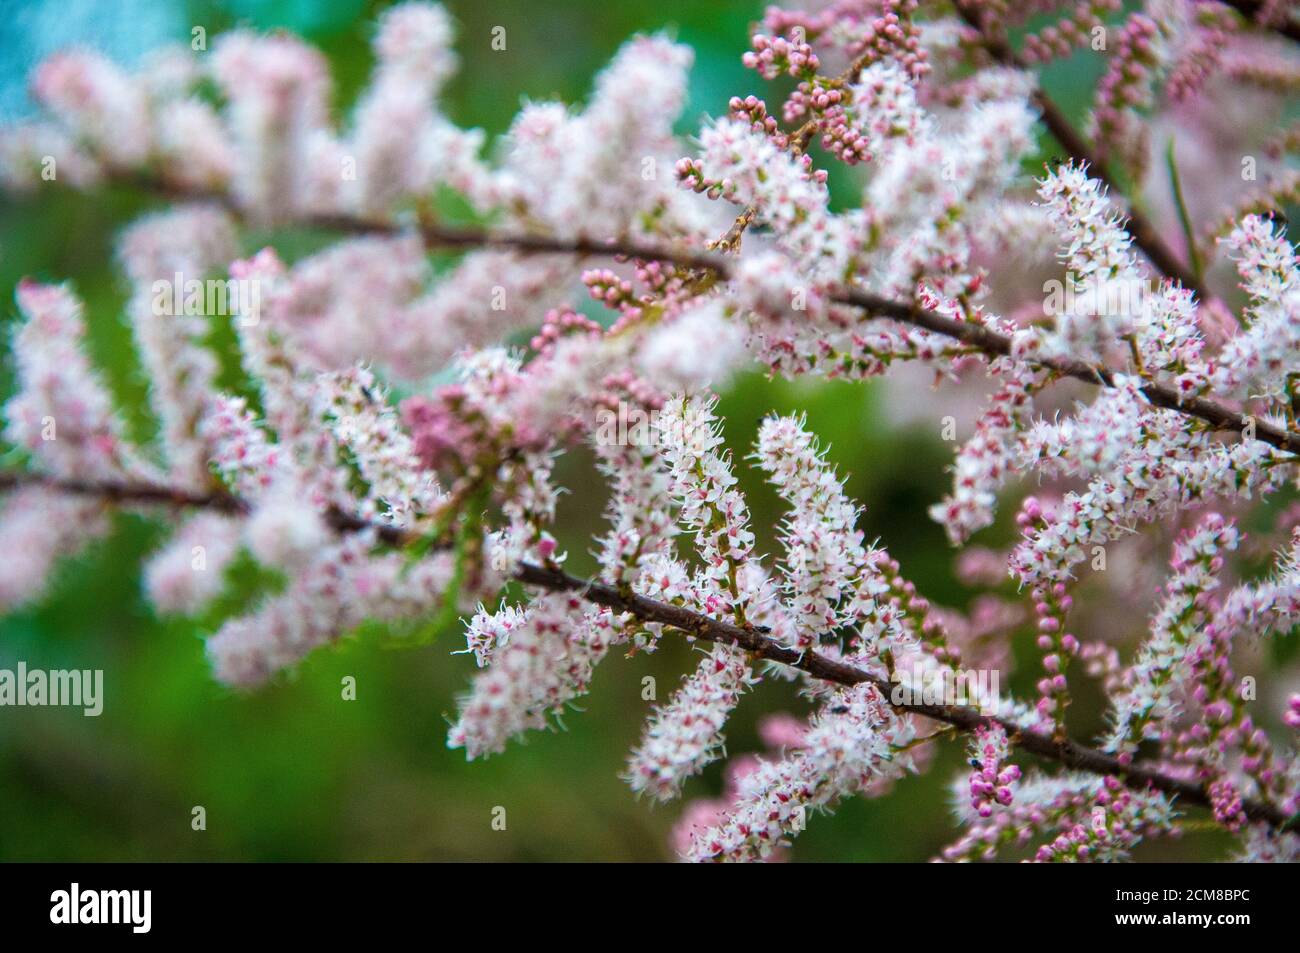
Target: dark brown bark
x,y
1069,753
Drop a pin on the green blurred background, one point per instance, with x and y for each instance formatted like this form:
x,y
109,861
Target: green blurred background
x,y
293,771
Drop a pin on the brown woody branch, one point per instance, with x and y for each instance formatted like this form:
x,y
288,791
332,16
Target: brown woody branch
x,y
1145,235
995,343
991,342
1069,753
987,340
438,235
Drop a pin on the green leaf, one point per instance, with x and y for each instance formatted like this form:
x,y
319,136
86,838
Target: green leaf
x,y
1183,217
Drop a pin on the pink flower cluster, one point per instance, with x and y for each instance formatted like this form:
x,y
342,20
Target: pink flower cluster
x,y
990,782
383,432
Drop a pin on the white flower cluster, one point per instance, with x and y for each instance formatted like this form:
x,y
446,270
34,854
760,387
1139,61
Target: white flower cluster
x,y
856,741
362,507
537,661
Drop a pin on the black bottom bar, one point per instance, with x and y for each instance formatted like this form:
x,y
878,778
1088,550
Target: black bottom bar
x,y
335,902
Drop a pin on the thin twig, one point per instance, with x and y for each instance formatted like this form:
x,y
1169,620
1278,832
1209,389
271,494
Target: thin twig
x,y
985,339
1144,233
1067,752
993,343
798,142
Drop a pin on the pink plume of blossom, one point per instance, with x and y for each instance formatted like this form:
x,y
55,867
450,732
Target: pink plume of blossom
x,y
40,527
186,575
990,782
543,664
373,510
854,742
63,413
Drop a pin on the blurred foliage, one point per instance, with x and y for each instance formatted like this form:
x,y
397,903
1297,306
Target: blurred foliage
x,y
293,771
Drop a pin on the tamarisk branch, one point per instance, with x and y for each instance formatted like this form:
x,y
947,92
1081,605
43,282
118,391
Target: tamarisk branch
x,y
1067,752
1145,235
987,340
386,448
